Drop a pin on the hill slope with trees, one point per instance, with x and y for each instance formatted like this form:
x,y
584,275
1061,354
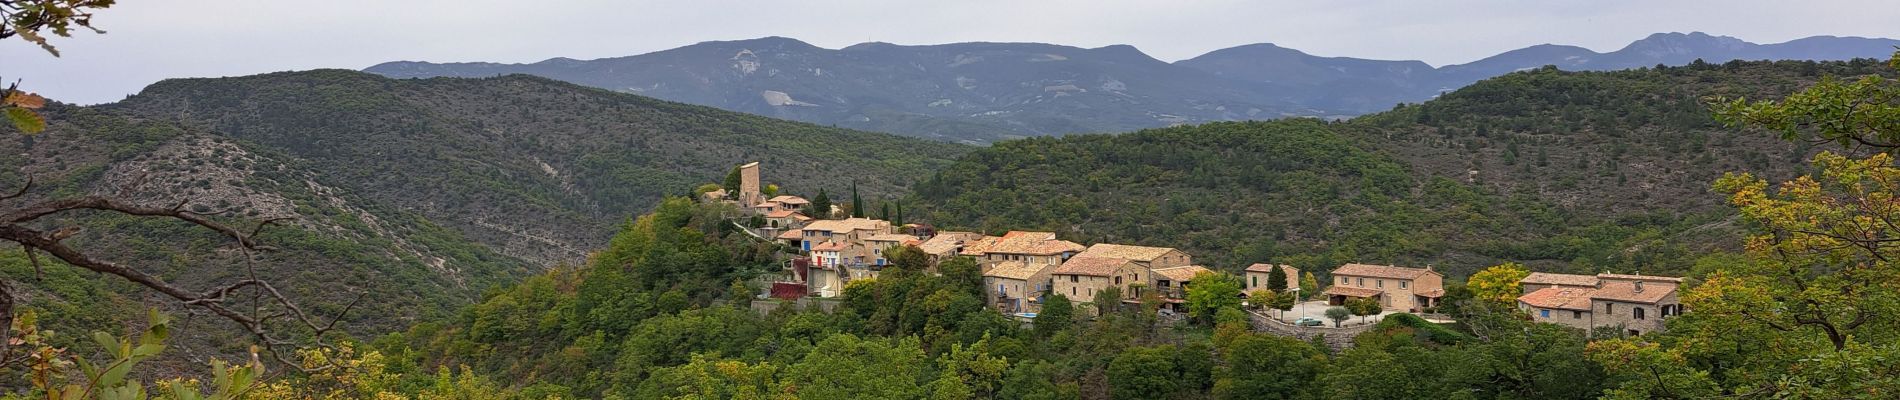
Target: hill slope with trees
x,y
537,168
1567,170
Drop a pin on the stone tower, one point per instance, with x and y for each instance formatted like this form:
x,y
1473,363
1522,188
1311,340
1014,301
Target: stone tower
x,y
749,185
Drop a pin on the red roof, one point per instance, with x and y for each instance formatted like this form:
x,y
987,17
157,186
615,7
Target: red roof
x,y
1566,298
830,246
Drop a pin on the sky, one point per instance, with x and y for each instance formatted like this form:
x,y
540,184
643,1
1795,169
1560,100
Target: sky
x,y
150,40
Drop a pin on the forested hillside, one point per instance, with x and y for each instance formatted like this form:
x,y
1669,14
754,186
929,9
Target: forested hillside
x,y
1566,170
536,168
332,245
415,195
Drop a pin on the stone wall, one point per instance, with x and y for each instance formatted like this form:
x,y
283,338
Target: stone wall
x,y
1337,338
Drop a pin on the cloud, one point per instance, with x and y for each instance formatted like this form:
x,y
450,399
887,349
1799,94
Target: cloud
x,y
152,40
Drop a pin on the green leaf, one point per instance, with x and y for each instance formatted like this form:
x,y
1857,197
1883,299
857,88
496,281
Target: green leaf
x,y
111,344
28,121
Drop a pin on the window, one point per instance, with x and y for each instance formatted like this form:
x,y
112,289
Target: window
x,y
1543,313
1574,314
1118,280
1403,284
1362,282
1342,280
1071,290
1639,313
1379,282
1256,281
1609,308
1073,278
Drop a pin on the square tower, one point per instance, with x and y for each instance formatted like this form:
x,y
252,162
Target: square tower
x,y
749,185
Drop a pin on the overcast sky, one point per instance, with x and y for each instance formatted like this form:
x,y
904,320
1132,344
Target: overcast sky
x,y
149,40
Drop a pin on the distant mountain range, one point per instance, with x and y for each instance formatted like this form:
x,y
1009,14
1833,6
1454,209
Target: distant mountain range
x,y
982,92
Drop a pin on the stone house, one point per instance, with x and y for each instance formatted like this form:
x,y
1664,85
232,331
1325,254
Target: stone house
x,y
1017,287
1147,257
1635,304
882,243
947,244
840,230
1396,288
1080,278
790,203
1255,276
1033,248
1171,284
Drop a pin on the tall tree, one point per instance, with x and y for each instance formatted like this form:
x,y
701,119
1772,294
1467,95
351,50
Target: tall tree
x,y
733,180
885,212
898,220
1211,292
1057,313
1276,279
857,202
1309,285
1499,283
820,207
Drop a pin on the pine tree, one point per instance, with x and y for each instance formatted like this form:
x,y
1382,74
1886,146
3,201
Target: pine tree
x,y
820,206
857,203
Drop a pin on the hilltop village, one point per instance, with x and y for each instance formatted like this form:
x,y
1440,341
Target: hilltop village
x,y
1021,269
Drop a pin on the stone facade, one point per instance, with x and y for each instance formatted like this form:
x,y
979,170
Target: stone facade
x,y
749,194
1397,288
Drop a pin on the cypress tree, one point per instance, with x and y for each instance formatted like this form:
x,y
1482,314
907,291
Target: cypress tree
x,y
899,218
857,203
1276,280
885,214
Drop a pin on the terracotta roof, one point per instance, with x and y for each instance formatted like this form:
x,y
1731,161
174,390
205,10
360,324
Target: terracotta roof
x,y
1564,298
946,242
830,246
766,205
792,234
1626,292
846,225
780,214
1032,243
800,217
890,237
1382,271
1352,291
1091,266
1434,293
1017,270
1182,273
1137,253
1650,278
979,246
1545,278
789,200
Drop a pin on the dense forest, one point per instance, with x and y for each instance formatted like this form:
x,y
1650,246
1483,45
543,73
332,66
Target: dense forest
x,y
1565,171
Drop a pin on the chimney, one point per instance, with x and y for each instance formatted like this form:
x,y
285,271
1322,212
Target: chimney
x,y
1639,286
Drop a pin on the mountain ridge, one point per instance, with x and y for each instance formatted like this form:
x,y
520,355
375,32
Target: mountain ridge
x,y
982,92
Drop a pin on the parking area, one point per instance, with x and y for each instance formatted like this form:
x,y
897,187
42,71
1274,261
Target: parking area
x,y
1317,310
